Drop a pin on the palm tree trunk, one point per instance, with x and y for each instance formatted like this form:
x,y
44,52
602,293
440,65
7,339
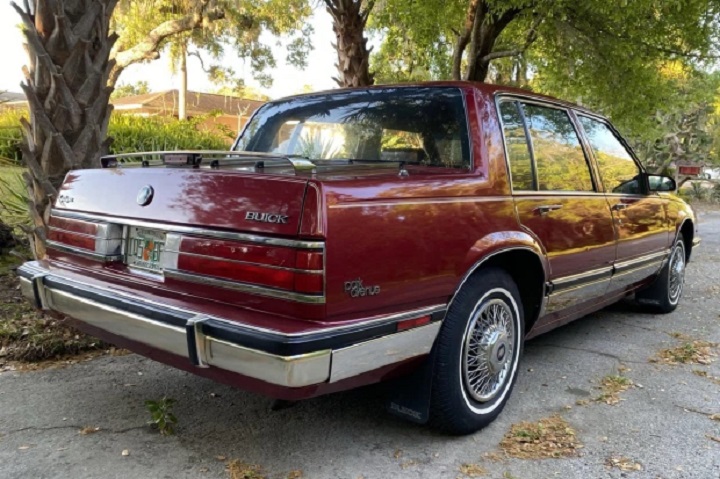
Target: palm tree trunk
x,y
349,20
68,44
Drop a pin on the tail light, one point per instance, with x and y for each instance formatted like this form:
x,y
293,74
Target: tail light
x,y
234,264
97,240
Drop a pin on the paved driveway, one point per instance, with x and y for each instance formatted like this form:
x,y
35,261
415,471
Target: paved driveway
x,y
662,424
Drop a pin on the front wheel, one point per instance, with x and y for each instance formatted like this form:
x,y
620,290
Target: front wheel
x,y
664,294
477,353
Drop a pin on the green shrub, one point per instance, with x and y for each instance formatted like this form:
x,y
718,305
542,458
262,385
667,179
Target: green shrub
x,y
133,133
13,197
10,134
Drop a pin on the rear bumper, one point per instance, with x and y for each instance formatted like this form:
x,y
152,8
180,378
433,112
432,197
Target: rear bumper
x,y
291,361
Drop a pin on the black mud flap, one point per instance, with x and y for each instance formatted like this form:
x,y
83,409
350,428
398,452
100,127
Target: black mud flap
x,y
410,395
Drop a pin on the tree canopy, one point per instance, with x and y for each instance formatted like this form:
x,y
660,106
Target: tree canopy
x,y
228,26
618,57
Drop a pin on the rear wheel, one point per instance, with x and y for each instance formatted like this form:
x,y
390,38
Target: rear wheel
x,y
477,353
664,294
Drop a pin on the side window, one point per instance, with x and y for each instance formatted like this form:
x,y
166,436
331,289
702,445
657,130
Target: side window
x,y
618,171
559,157
517,147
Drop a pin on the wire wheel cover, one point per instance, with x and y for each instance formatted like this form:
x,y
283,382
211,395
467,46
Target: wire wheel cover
x,y
676,278
489,349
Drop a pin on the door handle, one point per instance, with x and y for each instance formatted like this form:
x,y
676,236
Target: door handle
x,y
545,209
620,206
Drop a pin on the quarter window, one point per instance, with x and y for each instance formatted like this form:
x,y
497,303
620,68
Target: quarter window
x,y
559,157
618,170
517,147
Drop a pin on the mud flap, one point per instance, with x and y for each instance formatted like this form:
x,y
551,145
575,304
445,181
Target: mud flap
x,y
409,397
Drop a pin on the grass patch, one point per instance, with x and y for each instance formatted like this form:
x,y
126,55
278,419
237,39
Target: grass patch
x,y
611,386
548,438
472,470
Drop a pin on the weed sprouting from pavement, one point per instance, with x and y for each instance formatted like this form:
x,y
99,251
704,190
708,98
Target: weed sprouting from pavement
x,y
161,415
611,387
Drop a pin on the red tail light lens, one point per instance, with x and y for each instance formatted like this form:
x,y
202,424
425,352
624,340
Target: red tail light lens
x,y
101,241
278,267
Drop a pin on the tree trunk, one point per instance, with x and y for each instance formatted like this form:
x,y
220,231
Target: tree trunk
x,y
486,29
182,93
349,20
68,44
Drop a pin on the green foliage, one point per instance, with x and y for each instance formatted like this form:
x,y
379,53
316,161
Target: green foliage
x,y
133,133
417,39
239,32
130,89
624,59
13,198
10,134
161,415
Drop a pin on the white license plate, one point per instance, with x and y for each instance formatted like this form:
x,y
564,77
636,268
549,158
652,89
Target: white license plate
x,y
144,248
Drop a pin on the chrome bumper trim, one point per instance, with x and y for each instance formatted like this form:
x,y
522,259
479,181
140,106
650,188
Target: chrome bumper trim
x,y
356,359
192,338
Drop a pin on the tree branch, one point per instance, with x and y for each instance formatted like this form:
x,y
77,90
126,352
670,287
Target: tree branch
x,y
147,49
529,40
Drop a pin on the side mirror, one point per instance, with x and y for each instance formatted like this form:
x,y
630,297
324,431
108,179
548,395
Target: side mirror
x,y
661,183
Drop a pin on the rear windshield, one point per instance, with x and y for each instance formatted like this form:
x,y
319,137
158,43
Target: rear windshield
x,y
423,126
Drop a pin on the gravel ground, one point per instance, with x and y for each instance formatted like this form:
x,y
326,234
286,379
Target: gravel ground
x,y
662,424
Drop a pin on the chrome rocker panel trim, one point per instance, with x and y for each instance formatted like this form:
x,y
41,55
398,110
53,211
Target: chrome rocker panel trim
x,y
198,337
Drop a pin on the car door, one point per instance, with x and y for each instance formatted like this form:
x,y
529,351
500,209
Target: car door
x,y
556,199
640,217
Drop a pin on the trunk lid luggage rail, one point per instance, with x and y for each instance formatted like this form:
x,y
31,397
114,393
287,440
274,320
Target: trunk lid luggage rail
x,y
211,159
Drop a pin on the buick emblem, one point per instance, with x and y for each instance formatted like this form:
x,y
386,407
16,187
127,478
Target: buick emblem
x,y
145,195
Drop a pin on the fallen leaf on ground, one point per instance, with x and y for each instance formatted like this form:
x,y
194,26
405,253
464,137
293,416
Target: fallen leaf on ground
x,y
611,387
548,438
125,452
472,470
295,475
89,430
623,463
692,352
242,470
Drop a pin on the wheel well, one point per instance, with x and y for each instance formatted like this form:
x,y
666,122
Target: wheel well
x,y
687,230
527,271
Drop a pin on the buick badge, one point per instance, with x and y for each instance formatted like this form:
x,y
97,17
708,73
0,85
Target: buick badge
x,y
145,195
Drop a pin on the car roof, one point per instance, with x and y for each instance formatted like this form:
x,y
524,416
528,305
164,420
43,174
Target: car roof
x,y
486,88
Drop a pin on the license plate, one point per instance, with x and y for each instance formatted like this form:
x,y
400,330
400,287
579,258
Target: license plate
x,y
144,248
